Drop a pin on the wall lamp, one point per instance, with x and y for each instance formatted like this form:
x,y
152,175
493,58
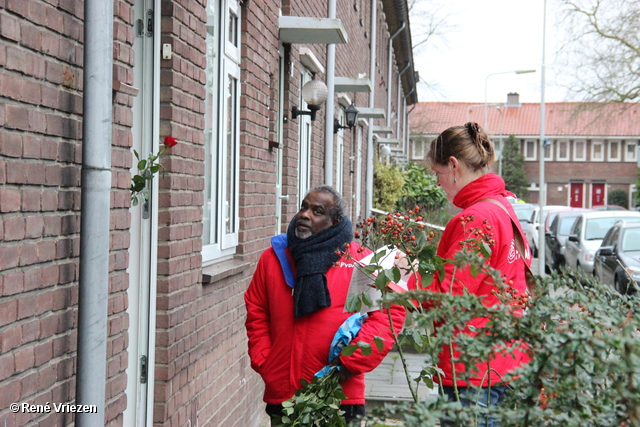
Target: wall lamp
x,y
351,115
314,93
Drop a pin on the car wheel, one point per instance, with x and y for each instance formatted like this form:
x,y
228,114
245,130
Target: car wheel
x,y
618,286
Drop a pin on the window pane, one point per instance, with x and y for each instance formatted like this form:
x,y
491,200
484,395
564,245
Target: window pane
x,y
229,202
233,29
580,150
615,150
562,150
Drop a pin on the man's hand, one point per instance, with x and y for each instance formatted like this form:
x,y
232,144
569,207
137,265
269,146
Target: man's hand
x,y
345,374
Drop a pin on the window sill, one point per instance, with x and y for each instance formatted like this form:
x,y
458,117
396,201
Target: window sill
x,y
221,270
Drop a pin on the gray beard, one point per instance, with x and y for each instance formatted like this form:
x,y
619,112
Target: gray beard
x,y
303,234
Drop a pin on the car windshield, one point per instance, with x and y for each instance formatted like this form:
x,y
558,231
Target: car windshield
x,y
523,213
564,228
631,240
598,227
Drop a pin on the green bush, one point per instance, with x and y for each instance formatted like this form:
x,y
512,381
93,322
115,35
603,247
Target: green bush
x,y
388,182
618,198
421,189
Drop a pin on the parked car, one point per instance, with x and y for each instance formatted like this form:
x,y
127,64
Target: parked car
x,y
524,212
556,236
534,223
619,257
609,208
587,233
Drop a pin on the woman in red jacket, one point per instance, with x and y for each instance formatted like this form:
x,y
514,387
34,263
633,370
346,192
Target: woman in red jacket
x,y
461,157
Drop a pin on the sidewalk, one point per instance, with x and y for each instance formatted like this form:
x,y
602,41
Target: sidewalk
x,y
387,383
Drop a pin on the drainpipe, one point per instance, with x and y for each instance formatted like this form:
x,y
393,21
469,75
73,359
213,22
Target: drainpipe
x,y
95,211
404,106
398,31
372,75
330,104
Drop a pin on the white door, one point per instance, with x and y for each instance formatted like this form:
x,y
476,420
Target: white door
x,y
143,250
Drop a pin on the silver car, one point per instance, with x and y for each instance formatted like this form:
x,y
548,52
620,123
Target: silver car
x,y
587,233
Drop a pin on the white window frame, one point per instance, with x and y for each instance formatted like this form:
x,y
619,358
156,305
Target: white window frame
x,y
305,136
548,151
525,150
631,155
595,144
560,144
418,148
222,165
610,151
576,157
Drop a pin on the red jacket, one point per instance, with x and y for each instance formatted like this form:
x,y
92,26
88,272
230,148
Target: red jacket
x,y
504,258
284,349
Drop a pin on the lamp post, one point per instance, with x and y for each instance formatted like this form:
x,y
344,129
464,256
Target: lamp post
x,y
485,90
542,196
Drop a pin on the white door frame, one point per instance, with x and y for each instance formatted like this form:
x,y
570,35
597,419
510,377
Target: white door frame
x,y
279,156
304,144
142,267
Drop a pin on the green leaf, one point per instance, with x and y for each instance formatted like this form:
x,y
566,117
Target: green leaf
x,y
366,299
142,164
154,169
485,250
397,274
353,304
426,280
379,342
370,269
348,350
381,281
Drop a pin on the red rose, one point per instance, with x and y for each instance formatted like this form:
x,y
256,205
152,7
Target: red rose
x,y
170,141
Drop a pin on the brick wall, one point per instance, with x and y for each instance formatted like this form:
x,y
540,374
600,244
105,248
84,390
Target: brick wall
x,y
41,58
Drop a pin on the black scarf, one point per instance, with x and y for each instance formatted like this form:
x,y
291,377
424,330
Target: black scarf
x,y
312,257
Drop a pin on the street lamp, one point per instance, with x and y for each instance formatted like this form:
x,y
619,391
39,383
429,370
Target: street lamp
x,y
486,119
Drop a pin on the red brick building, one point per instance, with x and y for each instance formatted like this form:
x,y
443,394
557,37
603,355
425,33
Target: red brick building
x,y
221,77
591,149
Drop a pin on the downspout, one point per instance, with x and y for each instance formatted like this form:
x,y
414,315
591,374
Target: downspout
x,y
390,68
405,103
330,104
95,211
368,204
404,107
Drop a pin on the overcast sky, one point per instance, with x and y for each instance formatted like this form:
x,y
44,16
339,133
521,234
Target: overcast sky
x,y
487,37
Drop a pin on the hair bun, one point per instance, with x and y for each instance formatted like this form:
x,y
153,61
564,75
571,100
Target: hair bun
x,y
473,128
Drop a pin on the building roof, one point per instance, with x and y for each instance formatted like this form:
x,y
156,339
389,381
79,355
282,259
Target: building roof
x,y
562,119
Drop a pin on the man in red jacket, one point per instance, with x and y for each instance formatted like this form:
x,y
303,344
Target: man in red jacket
x,y
295,305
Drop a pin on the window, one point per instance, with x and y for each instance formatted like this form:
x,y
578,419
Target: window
x,y
222,124
530,149
563,150
548,150
579,151
597,151
418,149
614,151
631,151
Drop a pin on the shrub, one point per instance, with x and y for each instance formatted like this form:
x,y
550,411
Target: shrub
x,y
421,189
618,198
388,185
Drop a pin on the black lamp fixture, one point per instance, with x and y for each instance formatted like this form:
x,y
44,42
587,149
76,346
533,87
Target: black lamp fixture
x,y
351,115
314,93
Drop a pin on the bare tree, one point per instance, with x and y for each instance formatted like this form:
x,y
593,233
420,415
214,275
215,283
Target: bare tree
x,y
430,23
601,50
